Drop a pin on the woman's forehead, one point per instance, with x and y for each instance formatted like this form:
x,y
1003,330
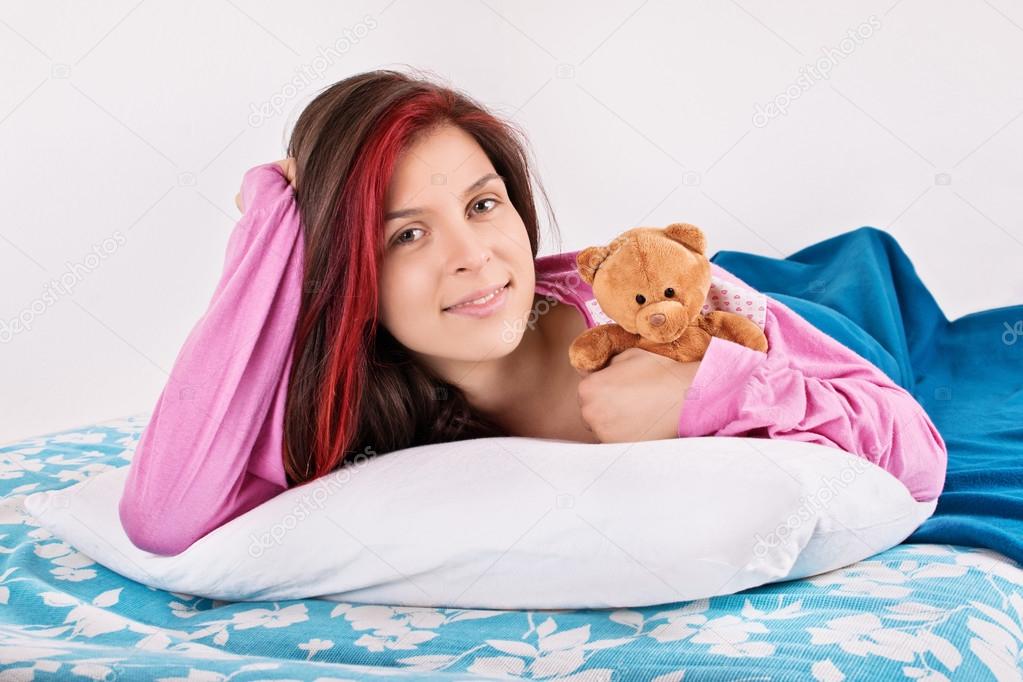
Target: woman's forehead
x,y
440,167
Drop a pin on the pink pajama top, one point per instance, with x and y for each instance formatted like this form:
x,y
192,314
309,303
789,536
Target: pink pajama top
x,y
212,449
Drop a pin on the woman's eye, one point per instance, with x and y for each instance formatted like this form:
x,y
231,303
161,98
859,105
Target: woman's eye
x,y
481,201
398,236
399,241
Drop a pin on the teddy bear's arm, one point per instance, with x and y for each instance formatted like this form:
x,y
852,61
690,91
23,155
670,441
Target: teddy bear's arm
x,y
735,328
594,348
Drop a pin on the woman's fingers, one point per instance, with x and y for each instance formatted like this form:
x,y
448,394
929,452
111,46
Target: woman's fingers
x,y
288,166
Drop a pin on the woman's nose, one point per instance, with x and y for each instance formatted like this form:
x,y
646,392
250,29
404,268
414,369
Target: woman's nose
x,y
469,249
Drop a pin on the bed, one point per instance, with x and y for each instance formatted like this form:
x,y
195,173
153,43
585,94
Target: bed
x,y
918,611
947,604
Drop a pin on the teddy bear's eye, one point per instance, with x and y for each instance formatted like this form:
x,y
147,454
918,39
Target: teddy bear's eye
x,y
640,299
669,292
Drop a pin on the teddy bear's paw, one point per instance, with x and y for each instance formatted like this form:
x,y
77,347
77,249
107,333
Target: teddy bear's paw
x,y
759,343
589,352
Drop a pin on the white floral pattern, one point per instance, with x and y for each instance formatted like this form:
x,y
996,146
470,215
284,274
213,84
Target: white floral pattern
x,y
914,612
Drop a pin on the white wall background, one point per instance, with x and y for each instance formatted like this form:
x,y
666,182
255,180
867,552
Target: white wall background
x,y
125,128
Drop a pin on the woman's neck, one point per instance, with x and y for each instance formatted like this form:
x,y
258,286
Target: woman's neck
x,y
494,386
536,394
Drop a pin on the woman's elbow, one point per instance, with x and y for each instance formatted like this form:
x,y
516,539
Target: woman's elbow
x,y
164,537
925,459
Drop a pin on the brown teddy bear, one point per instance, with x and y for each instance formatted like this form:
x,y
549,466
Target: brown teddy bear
x,y
653,283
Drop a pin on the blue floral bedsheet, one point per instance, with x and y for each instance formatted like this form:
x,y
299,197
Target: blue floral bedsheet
x,y
916,611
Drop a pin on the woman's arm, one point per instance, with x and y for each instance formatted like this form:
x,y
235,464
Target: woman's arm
x,y
212,448
812,388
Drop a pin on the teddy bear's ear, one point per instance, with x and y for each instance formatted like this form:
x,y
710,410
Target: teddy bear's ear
x,y
688,235
589,259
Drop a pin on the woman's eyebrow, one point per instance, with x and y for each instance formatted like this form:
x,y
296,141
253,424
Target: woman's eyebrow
x,y
406,212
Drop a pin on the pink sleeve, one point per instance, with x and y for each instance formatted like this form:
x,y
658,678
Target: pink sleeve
x,y
810,387
213,446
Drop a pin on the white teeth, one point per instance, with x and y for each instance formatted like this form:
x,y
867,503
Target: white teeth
x,y
479,301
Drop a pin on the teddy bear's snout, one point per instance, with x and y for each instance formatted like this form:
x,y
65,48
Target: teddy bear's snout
x,y
661,321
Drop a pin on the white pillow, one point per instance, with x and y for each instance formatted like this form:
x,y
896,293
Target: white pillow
x,y
524,523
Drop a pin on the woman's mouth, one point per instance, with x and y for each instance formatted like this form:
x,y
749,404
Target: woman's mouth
x,y
483,307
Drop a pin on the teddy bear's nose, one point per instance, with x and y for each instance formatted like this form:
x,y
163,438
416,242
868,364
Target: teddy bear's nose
x,y
657,319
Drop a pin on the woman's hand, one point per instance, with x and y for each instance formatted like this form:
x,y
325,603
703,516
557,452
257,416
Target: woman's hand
x,y
638,396
287,167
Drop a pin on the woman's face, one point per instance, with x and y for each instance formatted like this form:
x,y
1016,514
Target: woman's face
x,y
464,236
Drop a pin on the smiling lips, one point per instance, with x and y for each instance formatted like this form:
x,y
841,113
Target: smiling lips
x,y
477,298
482,306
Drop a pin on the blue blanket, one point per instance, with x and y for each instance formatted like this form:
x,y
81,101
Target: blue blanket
x,y
861,288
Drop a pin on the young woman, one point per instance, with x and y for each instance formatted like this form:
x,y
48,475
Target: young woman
x,y
382,290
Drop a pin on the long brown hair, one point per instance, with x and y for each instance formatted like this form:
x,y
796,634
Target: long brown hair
x,y
353,388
